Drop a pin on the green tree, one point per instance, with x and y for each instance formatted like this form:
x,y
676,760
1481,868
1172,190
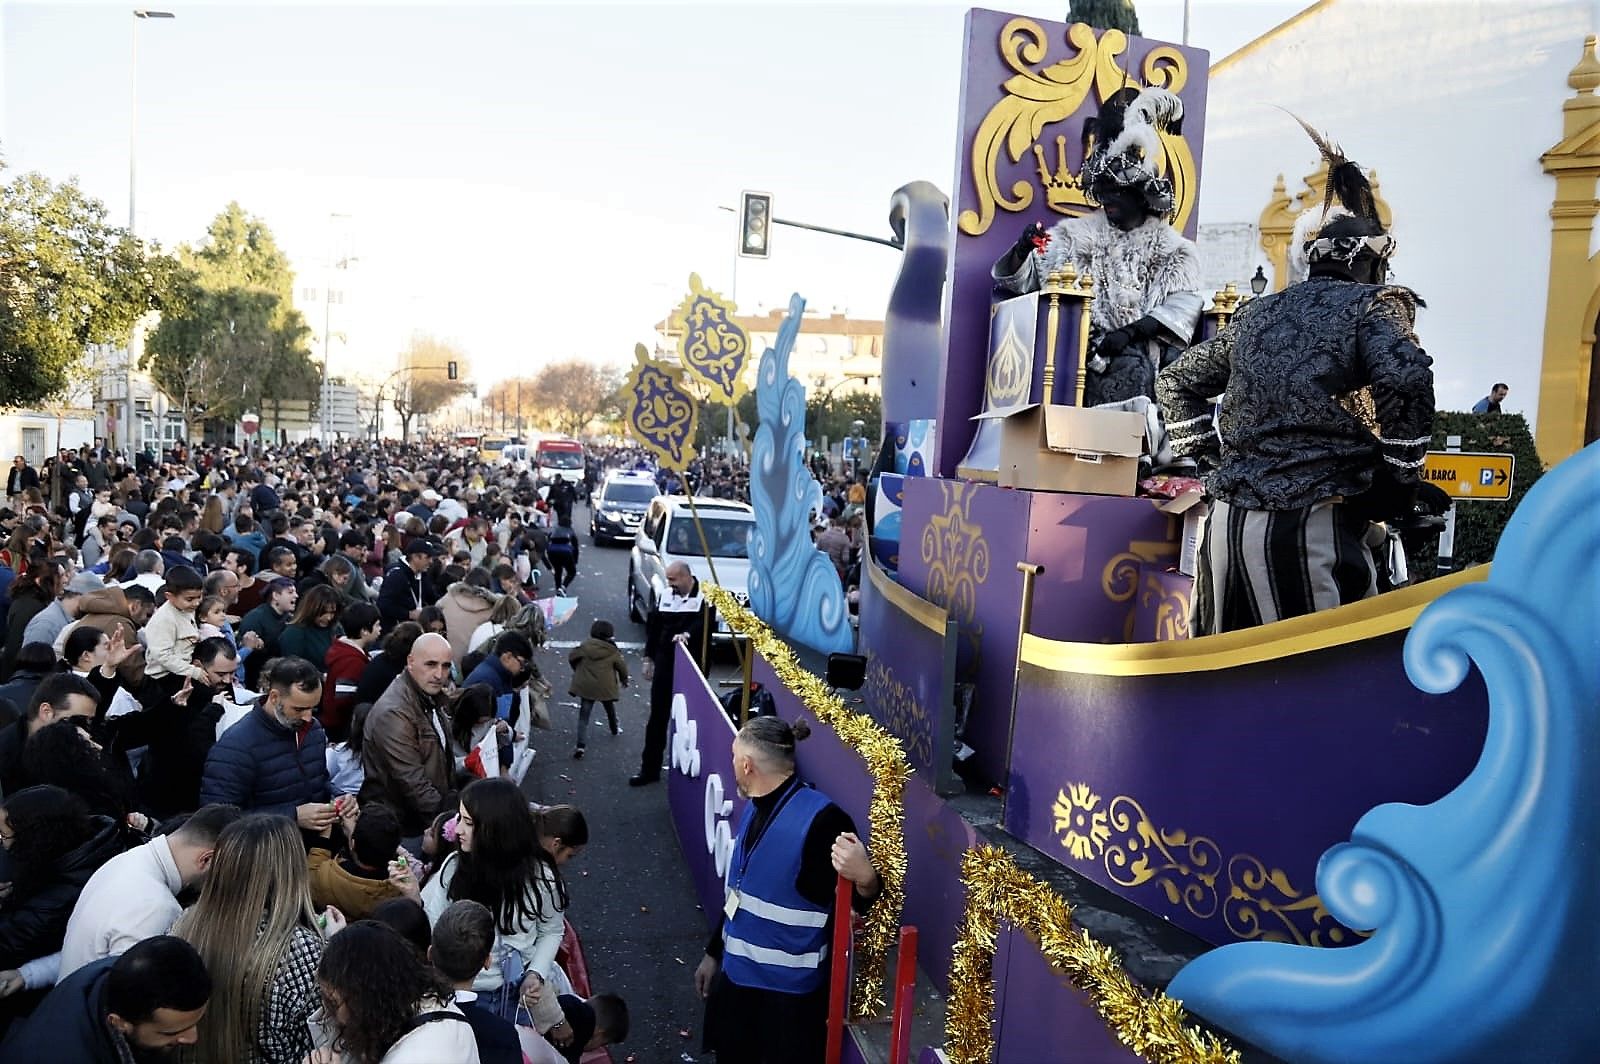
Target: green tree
x,y
67,279
832,415
1106,15
232,340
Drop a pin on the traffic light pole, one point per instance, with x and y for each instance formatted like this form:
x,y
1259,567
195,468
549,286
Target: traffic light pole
x,y
889,242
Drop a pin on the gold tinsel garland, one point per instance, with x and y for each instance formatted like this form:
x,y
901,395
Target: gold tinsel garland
x,y
1148,1022
885,760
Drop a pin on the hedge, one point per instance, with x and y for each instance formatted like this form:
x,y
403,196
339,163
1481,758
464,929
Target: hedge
x,y
1479,524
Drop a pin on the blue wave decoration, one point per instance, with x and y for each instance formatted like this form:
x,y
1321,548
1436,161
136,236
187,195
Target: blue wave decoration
x,y
1484,905
793,586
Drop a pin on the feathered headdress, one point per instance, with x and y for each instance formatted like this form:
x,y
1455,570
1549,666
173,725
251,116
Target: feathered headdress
x,y
1127,144
1346,182
1347,194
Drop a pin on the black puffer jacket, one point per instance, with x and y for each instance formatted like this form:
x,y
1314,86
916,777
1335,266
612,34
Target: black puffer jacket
x,y
33,925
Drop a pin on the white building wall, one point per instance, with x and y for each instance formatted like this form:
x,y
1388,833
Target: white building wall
x,y
1451,102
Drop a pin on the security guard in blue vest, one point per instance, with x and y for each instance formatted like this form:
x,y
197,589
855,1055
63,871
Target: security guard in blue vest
x,y
765,973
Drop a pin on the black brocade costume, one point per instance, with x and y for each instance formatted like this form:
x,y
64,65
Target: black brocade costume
x,y
1282,366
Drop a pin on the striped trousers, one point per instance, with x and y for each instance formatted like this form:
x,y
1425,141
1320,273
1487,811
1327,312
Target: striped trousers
x,y
1260,566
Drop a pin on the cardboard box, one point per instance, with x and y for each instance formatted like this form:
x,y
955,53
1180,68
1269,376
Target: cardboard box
x,y
1194,512
1069,448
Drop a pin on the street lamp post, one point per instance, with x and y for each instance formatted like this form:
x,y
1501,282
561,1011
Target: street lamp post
x,y
136,338
327,340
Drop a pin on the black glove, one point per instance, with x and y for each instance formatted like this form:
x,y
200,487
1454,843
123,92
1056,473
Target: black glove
x,y
1389,499
1432,499
1027,243
1146,328
1114,342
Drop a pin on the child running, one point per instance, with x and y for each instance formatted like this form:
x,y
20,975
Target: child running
x,y
598,675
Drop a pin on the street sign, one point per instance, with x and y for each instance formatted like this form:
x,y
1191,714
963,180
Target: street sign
x,y
1483,477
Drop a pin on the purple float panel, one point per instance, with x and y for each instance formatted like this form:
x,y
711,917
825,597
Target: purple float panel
x,y
1027,85
701,795
1206,791
909,645
959,549
1040,1016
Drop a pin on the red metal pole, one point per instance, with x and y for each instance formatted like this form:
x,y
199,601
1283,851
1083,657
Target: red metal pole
x,y
905,987
839,988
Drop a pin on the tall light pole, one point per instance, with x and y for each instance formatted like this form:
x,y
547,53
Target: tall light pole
x,y
327,313
136,337
139,15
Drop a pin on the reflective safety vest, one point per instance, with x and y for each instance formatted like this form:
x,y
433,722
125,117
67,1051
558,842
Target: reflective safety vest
x,y
776,939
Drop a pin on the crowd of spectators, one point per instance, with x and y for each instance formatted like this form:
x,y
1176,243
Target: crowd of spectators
x,y
247,702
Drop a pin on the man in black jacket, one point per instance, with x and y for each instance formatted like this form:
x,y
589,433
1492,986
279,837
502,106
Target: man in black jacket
x,y
22,477
682,617
60,695
1325,421
406,588
143,1004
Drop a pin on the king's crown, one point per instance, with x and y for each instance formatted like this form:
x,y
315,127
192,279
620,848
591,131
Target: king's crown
x,y
1063,191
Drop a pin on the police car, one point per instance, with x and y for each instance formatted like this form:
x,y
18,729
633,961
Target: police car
x,y
618,505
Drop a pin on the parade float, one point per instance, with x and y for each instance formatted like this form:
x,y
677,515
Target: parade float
x,y
1358,835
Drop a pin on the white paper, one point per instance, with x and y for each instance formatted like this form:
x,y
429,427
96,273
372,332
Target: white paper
x,y
122,703
489,750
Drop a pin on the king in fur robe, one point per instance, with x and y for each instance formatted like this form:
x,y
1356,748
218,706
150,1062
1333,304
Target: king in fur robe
x,y
1146,274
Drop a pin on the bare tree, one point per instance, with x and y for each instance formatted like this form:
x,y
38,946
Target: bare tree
x,y
425,385
572,393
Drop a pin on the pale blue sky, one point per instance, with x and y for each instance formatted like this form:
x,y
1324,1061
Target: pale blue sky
x,y
531,180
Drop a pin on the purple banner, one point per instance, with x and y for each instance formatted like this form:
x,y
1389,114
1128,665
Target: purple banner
x,y
701,794
1208,797
1027,86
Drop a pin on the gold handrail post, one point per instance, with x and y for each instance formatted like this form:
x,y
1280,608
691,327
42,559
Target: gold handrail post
x,y
1030,572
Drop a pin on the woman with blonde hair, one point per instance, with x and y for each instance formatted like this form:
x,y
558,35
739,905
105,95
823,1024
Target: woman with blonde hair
x,y
255,928
211,518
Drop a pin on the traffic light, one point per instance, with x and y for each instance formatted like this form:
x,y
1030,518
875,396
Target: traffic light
x,y
755,225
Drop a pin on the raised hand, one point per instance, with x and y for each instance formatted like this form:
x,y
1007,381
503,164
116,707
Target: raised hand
x,y
1034,238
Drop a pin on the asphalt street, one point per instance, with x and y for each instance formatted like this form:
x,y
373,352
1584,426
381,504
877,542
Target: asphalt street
x,y
633,902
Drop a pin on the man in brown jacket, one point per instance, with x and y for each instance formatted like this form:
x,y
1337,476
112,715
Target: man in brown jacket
x,y
406,748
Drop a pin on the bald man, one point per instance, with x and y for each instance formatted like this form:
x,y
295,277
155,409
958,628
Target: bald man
x,y
682,615
406,748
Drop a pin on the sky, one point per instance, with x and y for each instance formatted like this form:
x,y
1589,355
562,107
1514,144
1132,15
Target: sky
x,y
530,181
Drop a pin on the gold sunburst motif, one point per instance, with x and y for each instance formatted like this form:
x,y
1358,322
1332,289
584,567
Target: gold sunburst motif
x,y
1039,96
1255,900
1080,822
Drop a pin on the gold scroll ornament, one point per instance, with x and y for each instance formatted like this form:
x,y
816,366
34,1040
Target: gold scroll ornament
x,y
663,412
1255,900
1035,99
713,346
